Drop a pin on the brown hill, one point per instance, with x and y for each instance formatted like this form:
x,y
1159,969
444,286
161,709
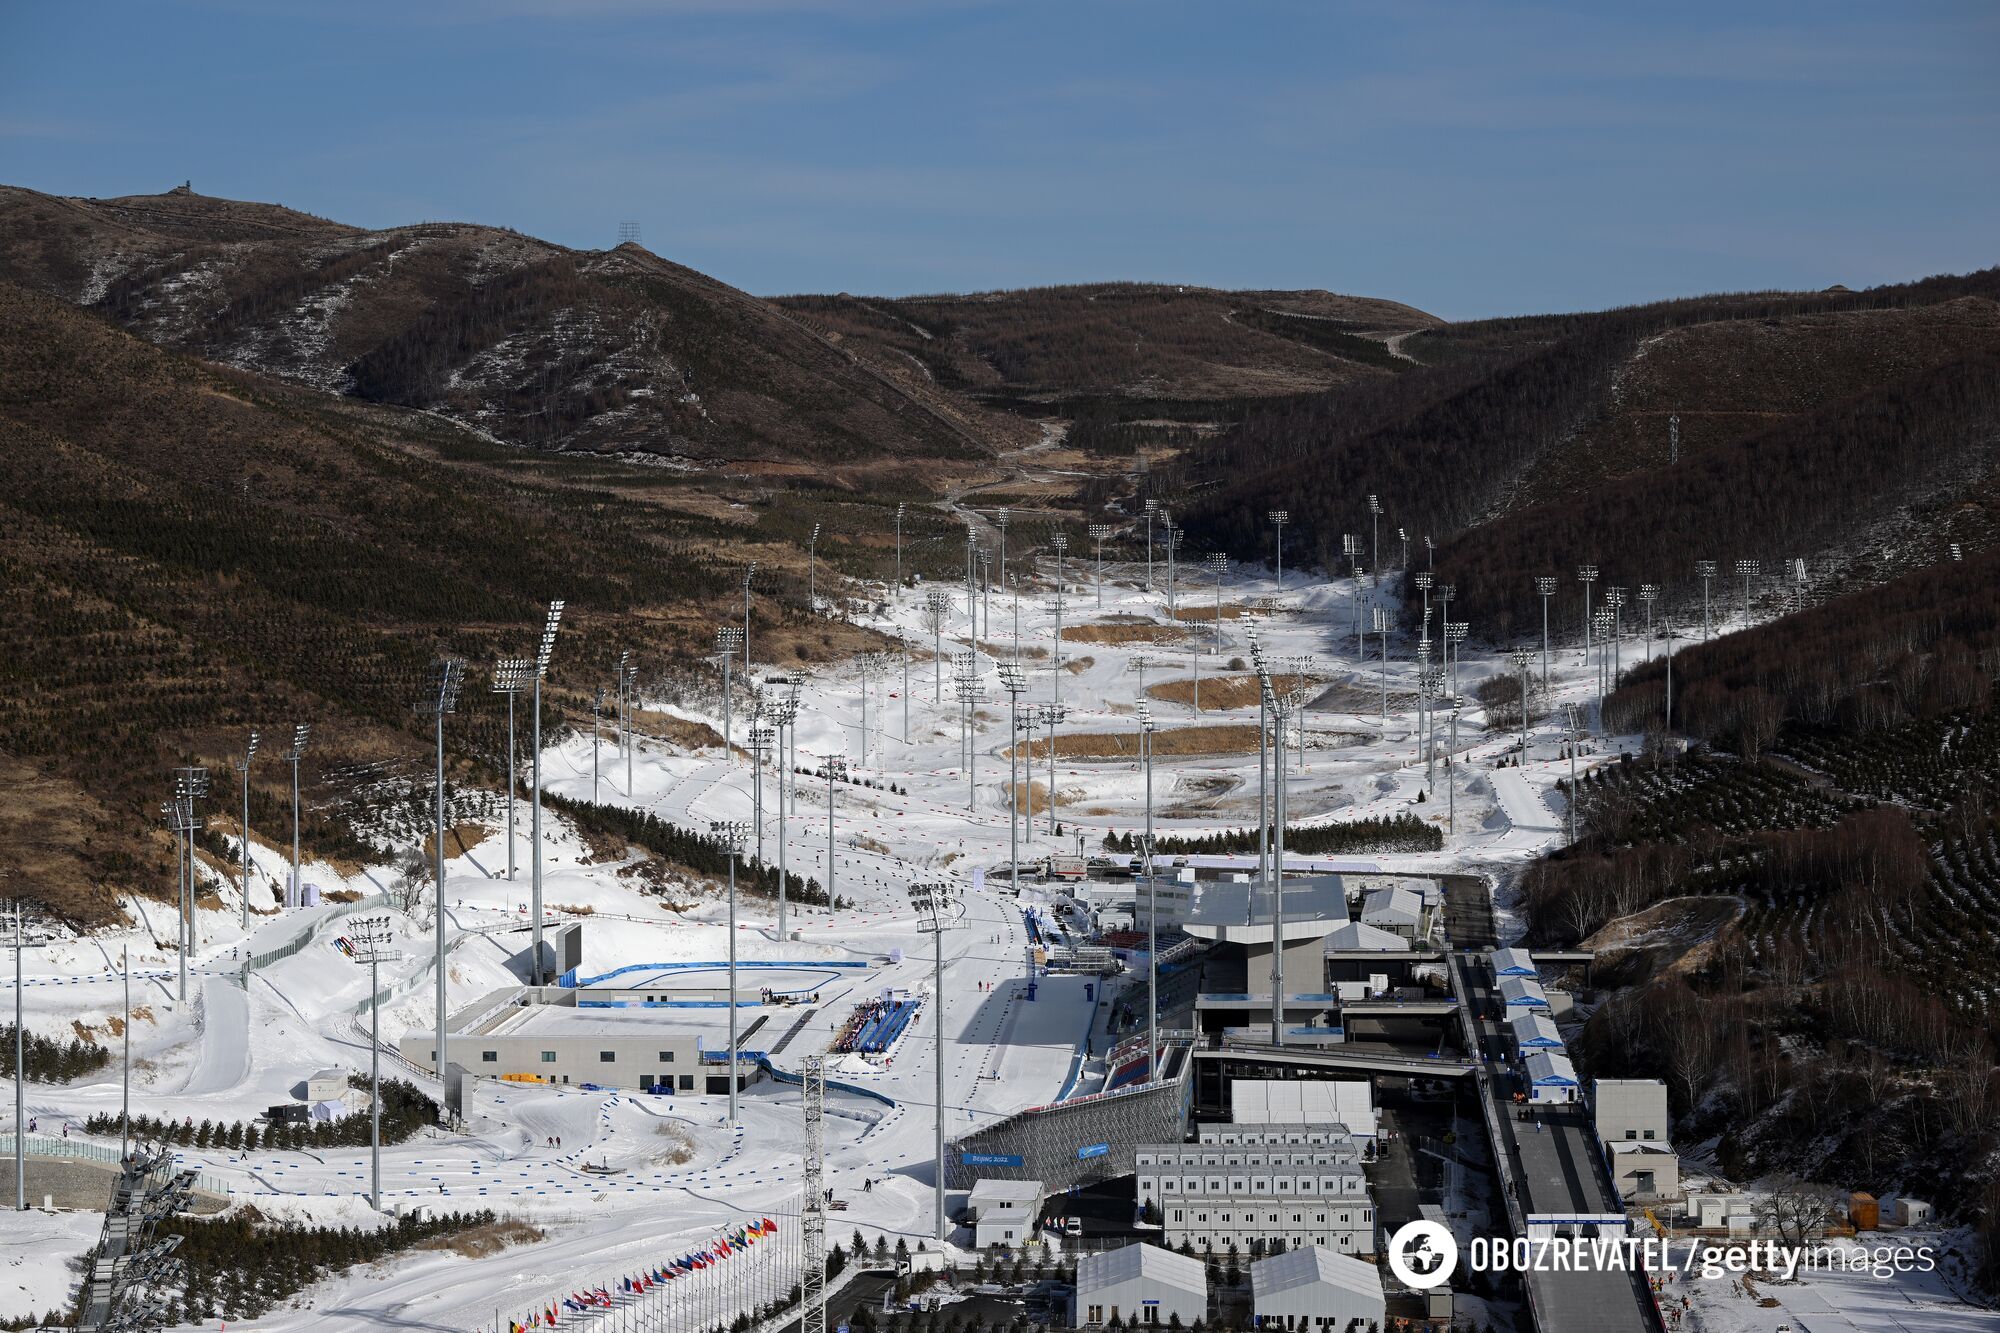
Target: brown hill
x,y
1189,353
614,351
1851,429
188,551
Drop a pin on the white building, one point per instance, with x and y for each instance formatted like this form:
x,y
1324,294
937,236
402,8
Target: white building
x,y
1258,1198
1629,1110
1909,1212
1643,1172
1534,1030
1513,963
1261,1101
1400,911
1519,994
1314,1289
1733,1213
1140,1285
1360,937
1551,1078
1004,1212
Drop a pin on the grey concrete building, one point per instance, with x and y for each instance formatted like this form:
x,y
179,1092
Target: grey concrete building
x,y
1140,1285
1259,1197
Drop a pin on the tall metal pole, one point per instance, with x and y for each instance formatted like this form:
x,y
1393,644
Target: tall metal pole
x,y
1098,532
1280,517
21,1071
899,554
1546,586
730,833
125,1082
1152,907
542,656
1586,575
1375,528
932,900
243,829
295,895
1705,569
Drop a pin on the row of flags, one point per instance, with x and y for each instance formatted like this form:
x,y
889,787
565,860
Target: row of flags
x,y
579,1303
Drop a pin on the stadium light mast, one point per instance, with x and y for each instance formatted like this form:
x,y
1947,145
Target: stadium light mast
x,y
932,899
728,642
812,569
1602,621
728,834
1648,594
300,732
1430,554
370,939
1573,730
441,699
900,507
1173,544
1705,571
1279,517
17,918
1615,599
1013,681
1403,535
1521,657
1375,525
761,740
510,676
1000,521
937,608
543,651
1586,575
1050,716
243,780
836,770
1546,586
1382,622
1152,511
596,740
628,690
786,717
749,574
1667,636
1152,901
1747,570
1218,565
1423,578
1098,532
190,784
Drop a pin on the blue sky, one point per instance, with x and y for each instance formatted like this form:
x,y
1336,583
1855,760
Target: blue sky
x,y
1469,159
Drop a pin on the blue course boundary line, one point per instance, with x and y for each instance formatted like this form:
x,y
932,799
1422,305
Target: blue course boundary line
x,y
571,979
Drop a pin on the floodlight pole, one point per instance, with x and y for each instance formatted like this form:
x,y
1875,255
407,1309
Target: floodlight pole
x,y
1521,659
834,766
596,738
1000,522
1098,532
1012,680
1382,622
1667,635
21,1070
441,700
1375,525
296,893
1218,565
812,566
1152,904
1451,774
372,936
933,899
1586,575
1279,517
1061,544
1575,729
1152,507
1546,586
1705,570
1748,569
729,832
1051,714
749,573
546,648
243,777
900,507
125,1082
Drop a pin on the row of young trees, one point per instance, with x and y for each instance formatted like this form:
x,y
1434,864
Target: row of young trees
x,y
1400,832
406,1112
698,852
49,1060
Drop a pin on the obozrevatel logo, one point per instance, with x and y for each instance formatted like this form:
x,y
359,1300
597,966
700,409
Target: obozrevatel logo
x,y
1422,1254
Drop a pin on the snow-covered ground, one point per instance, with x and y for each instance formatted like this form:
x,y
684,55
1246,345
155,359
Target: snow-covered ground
x,y
227,1053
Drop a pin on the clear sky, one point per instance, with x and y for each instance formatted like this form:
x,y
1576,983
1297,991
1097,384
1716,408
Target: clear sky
x,y
1468,159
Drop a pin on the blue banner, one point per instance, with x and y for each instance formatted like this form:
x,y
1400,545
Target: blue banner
x,y
1093,1150
989,1159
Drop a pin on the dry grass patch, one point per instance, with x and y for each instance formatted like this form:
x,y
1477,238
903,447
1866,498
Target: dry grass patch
x,y
1144,631
1181,741
1220,692
458,840
1230,611
483,1242
1034,797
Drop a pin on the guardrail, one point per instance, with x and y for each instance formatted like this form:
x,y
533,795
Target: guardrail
x,y
53,1147
259,961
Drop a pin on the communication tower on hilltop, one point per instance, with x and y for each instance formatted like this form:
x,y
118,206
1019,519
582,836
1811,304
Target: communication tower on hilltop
x,y
628,233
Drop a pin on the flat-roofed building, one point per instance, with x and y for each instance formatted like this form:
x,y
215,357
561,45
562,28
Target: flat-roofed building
x,y
1346,1102
1004,1212
1258,1198
641,1049
1551,1078
1629,1110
